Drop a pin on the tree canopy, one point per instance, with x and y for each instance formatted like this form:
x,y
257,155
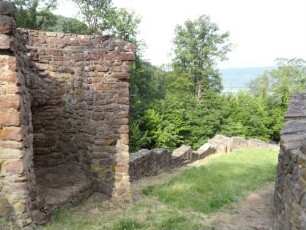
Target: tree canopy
x,y
36,14
198,46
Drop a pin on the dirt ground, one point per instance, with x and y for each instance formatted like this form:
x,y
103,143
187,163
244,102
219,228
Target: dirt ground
x,y
253,212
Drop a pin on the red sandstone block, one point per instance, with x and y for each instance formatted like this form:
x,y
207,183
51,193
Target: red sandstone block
x,y
11,133
8,76
12,62
124,101
101,68
12,167
12,90
116,69
9,118
95,55
123,93
10,101
125,57
123,85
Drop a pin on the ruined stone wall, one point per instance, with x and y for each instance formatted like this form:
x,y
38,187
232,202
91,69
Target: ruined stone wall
x,y
290,188
64,107
152,162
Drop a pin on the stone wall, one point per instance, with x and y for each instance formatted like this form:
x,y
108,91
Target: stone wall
x,y
290,188
17,181
64,107
152,162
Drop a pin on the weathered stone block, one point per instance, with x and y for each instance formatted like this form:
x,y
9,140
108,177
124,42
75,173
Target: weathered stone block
x,y
12,166
6,42
10,153
7,25
10,102
206,150
10,118
11,133
6,210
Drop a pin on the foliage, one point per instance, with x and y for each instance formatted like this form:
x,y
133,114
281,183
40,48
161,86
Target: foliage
x,y
96,14
245,115
124,25
70,25
274,88
198,48
146,88
220,182
173,108
34,14
278,84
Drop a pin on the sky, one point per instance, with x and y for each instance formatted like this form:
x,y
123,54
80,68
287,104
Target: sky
x,y
261,30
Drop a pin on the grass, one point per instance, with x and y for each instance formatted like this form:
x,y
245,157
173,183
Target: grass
x,y
184,202
220,182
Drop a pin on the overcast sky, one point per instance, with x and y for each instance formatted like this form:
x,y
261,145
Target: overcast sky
x,y
261,30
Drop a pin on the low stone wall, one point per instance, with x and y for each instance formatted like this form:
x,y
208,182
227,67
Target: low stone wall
x,y
290,187
229,144
152,162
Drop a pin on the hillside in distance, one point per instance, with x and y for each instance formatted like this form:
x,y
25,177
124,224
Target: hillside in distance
x,y
235,79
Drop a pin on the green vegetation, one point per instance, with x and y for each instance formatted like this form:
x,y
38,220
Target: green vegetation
x,y
221,182
178,115
183,202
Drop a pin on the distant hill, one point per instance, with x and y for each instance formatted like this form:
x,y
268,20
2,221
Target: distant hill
x,y
235,79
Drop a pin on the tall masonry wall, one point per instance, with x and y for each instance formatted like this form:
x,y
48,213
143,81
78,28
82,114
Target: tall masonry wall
x,y
290,188
64,108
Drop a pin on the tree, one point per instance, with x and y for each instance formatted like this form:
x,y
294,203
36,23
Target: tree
x,y
281,82
124,25
275,88
198,48
245,115
70,25
36,14
96,14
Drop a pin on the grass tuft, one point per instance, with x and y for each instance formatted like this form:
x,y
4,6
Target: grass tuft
x,y
128,224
